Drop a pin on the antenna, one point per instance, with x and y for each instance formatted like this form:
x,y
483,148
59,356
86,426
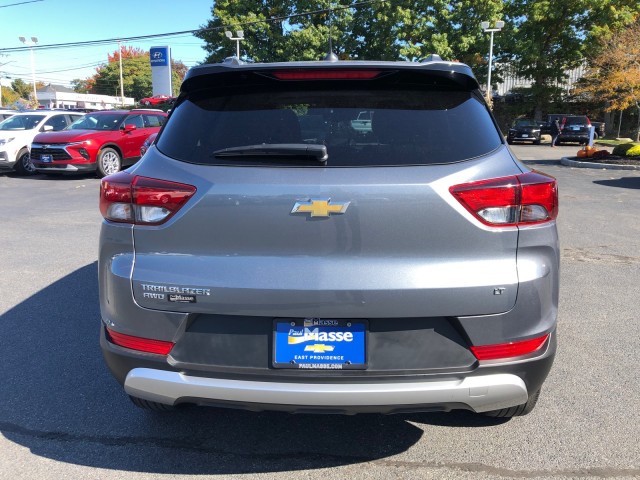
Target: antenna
x,y
331,57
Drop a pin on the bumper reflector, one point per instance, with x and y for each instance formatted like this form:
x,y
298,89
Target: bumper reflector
x,y
510,349
137,343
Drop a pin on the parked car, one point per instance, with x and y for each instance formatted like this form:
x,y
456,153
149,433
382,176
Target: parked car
x,y
157,100
244,263
4,114
104,142
17,133
578,127
524,130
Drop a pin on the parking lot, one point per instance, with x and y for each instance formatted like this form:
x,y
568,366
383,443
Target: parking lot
x,y
63,415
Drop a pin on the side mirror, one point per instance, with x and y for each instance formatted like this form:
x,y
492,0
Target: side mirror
x,y
130,127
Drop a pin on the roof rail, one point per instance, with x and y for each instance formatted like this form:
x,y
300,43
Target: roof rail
x,y
434,57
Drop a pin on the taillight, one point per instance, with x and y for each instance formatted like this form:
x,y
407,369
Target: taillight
x,y
510,349
337,74
139,200
147,345
524,199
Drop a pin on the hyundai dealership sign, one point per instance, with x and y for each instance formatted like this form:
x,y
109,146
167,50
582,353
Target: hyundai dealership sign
x,y
160,58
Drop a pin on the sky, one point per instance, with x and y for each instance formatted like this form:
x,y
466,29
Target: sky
x,y
65,21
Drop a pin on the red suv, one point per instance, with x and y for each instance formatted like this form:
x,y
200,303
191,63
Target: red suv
x,y
104,141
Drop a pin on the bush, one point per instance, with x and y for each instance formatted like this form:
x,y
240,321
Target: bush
x,y
634,151
624,148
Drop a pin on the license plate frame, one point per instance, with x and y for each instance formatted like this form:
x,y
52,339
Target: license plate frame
x,y
46,158
313,347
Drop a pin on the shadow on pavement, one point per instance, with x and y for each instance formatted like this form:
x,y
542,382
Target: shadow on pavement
x,y
60,401
624,182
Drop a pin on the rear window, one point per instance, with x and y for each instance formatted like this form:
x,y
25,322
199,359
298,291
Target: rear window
x,y
359,127
576,121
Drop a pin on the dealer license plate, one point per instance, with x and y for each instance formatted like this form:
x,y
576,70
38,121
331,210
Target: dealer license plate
x,y
319,344
46,158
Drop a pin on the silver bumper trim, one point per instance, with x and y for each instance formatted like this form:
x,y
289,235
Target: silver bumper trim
x,y
480,393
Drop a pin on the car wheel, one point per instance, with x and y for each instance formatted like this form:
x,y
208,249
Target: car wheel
x,y
109,162
510,142
518,410
146,103
149,405
24,166
536,141
595,135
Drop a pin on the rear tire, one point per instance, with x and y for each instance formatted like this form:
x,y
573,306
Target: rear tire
x,y
149,405
518,410
23,164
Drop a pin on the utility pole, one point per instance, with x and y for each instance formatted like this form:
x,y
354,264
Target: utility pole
x,y
121,83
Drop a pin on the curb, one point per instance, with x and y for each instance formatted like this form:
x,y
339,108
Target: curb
x,y
567,162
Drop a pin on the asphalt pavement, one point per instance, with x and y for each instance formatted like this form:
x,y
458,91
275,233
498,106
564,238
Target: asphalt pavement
x,y
63,416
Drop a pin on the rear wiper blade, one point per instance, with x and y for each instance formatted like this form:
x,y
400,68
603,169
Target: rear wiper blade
x,y
318,152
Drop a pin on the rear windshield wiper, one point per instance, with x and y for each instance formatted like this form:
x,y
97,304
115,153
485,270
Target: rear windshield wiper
x,y
282,150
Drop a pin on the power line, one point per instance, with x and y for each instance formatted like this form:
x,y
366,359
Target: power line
x,y
21,3
189,32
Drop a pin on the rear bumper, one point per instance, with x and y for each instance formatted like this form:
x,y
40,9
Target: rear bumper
x,y
480,393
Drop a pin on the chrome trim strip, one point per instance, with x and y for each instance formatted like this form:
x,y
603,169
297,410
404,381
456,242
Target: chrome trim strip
x,y
481,393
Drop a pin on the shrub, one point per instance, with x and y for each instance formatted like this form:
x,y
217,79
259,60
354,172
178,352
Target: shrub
x,y
634,151
623,148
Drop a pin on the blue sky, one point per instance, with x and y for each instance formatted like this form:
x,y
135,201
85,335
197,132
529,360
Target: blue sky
x,y
64,21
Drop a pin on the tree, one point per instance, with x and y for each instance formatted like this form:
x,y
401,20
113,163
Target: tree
x,y
136,75
9,96
22,88
614,74
543,39
398,30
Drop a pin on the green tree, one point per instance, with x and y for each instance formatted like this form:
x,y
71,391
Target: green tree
x,y
22,88
9,96
402,29
543,39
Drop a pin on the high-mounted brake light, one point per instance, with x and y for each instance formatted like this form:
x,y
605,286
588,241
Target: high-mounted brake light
x,y
526,199
138,343
333,74
510,349
126,198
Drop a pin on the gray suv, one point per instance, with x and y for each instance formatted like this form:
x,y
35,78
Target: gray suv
x,y
267,255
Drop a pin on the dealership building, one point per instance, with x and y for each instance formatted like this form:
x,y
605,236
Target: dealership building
x,y
57,96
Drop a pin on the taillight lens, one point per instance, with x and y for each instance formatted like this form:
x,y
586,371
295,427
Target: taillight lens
x,y
525,199
510,349
147,345
139,200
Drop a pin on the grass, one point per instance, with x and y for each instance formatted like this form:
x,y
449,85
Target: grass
x,y
611,143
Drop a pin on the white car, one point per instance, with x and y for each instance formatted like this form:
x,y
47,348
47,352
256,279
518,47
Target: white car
x,y
17,133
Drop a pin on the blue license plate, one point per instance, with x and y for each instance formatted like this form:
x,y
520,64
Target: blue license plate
x,y
318,344
46,158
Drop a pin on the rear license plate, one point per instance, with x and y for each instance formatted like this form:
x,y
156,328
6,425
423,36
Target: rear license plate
x,y
524,135
46,158
318,344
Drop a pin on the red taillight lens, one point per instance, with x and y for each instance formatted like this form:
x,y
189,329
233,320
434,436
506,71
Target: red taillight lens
x,y
525,199
508,350
326,74
129,198
141,344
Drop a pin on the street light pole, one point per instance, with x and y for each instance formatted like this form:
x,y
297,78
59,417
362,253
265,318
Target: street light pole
x,y
239,36
31,43
485,26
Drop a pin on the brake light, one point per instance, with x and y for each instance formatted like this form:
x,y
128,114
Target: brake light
x,y
138,343
326,74
126,198
510,349
525,199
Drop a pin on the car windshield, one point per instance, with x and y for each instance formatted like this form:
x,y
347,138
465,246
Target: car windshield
x,y
408,126
104,121
21,122
525,123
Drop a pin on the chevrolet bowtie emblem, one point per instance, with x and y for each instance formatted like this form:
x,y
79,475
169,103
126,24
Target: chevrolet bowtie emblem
x,y
319,348
320,207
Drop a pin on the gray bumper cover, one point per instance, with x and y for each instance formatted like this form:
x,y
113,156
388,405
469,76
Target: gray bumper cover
x,y
480,393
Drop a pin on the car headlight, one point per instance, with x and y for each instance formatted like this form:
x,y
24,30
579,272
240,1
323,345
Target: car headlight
x,y
4,141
